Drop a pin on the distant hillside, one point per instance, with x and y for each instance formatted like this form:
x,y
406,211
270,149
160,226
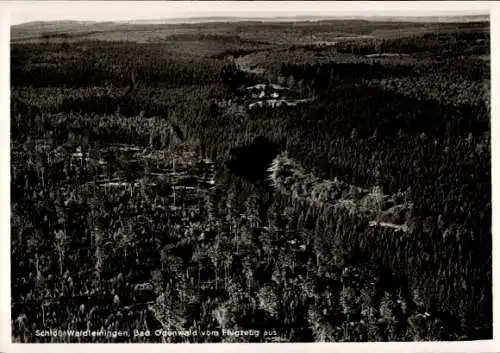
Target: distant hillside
x,y
39,29
428,19
263,29
53,24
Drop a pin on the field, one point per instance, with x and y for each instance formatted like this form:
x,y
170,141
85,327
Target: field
x,y
313,181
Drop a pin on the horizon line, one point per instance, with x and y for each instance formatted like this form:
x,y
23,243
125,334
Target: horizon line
x,y
22,12
302,18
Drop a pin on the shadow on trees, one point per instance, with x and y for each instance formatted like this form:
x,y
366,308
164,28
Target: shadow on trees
x,y
252,161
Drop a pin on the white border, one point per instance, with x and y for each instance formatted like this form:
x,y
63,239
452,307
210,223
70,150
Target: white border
x,y
365,8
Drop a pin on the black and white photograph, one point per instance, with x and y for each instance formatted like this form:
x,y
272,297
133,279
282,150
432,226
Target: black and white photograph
x,y
249,172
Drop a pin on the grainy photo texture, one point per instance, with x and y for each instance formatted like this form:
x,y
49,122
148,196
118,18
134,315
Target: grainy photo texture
x,y
251,180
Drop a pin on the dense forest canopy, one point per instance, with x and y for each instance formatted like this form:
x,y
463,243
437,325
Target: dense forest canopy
x,y
135,159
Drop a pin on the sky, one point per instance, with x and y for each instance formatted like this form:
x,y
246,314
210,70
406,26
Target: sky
x,y
27,11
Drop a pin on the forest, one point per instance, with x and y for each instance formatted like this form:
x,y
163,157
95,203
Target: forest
x,y
146,195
